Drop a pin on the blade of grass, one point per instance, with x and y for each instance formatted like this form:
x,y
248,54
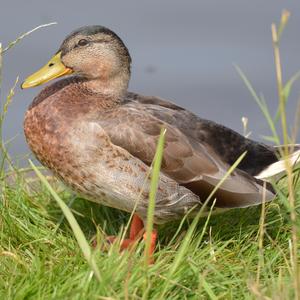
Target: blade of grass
x,y
18,39
276,34
260,102
4,108
208,289
261,233
4,154
285,15
153,189
82,242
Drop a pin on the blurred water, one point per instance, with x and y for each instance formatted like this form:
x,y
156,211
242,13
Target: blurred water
x,y
181,50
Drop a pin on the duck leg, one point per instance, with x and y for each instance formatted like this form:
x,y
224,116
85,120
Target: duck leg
x,y
152,245
136,227
135,233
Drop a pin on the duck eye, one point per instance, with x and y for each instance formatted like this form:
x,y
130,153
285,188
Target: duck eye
x,y
82,42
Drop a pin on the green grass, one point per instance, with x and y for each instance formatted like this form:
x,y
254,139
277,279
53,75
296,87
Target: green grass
x,y
242,254
40,261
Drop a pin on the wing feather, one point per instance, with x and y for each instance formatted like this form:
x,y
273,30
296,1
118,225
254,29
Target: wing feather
x,y
136,125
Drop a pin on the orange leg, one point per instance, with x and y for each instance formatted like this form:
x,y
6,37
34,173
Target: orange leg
x,y
135,233
137,225
152,245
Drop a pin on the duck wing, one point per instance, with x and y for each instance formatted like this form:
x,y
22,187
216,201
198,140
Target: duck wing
x,y
192,162
227,143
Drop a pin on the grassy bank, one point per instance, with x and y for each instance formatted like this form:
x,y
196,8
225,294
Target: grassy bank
x,y
40,258
242,254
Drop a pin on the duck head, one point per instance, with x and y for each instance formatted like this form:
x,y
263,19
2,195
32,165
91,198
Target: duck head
x,y
92,52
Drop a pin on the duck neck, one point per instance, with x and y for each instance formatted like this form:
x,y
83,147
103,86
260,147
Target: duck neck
x,y
113,87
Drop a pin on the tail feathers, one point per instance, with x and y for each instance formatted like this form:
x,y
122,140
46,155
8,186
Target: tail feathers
x,y
277,169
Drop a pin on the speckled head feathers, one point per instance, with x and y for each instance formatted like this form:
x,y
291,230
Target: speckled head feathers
x,y
91,32
89,47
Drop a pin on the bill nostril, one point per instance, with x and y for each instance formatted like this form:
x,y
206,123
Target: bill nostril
x,y
51,64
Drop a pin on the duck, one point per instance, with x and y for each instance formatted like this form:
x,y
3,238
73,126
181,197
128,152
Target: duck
x,y
100,139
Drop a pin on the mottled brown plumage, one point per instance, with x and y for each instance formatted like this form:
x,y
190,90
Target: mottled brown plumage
x,y
100,139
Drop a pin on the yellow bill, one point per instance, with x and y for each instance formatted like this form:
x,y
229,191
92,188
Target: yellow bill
x,y
53,69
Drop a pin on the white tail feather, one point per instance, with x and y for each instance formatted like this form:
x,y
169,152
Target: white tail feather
x,y
277,169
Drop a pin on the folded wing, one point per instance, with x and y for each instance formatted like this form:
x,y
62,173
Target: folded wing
x,y
186,160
